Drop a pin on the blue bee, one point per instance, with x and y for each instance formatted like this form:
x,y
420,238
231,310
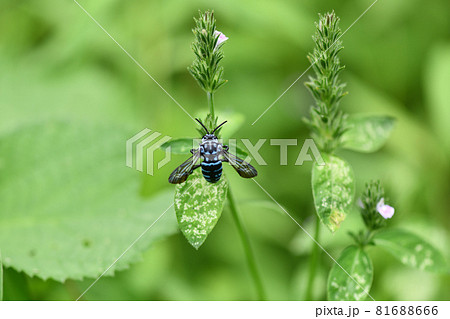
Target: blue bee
x,y
211,153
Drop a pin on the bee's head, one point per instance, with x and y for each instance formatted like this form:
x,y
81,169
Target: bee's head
x,y
209,137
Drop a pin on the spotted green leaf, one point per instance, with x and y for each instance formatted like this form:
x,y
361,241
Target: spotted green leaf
x,y
69,206
354,283
198,206
333,190
367,133
411,250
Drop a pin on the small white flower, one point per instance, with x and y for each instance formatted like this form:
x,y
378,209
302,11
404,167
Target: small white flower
x,y
385,210
222,37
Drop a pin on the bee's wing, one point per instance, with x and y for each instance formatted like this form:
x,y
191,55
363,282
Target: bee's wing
x,y
181,173
243,168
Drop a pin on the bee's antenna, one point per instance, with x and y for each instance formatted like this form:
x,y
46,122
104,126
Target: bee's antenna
x,y
204,126
218,127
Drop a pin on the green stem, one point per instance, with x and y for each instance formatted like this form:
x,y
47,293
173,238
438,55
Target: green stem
x,y
313,262
368,237
211,104
247,248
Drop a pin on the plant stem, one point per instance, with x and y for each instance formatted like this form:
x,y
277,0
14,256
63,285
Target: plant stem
x,y
247,248
210,96
368,237
313,262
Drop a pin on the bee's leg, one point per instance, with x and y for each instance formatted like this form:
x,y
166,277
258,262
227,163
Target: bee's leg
x,y
193,151
225,147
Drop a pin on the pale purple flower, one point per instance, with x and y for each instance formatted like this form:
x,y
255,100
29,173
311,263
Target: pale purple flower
x,y
385,210
222,37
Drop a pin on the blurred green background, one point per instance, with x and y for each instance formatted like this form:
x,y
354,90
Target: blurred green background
x,y
58,65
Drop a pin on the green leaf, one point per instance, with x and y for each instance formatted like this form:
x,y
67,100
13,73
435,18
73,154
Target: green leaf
x,y
179,146
69,205
367,133
333,190
198,205
437,78
358,265
411,250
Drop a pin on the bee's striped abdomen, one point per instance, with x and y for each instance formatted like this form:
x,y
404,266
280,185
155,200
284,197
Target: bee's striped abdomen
x,y
212,171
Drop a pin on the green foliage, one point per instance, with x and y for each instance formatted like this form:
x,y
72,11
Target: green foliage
x,y
327,121
55,62
358,265
330,127
411,250
371,205
333,184
333,190
367,133
205,68
198,206
69,205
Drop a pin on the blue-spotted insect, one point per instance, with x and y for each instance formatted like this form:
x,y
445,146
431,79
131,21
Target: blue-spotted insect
x,y
211,153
